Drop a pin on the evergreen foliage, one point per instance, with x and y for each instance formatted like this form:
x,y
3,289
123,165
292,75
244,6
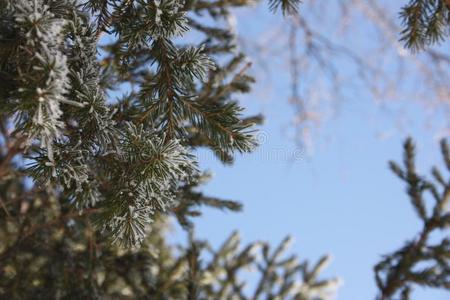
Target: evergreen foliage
x,y
78,263
425,22
103,103
288,7
87,182
419,261
178,94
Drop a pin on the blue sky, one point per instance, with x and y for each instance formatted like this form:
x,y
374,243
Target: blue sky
x,y
342,200
339,199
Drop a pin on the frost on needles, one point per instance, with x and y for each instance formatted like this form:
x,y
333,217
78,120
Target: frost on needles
x,y
125,158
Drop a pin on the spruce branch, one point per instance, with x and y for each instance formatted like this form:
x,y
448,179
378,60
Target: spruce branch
x,y
418,262
288,7
425,22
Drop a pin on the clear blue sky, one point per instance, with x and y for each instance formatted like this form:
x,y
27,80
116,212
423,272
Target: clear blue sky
x,y
341,199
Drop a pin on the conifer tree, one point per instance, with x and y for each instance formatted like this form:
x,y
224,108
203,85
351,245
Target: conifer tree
x,y
420,261
81,146
102,105
426,22
88,181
